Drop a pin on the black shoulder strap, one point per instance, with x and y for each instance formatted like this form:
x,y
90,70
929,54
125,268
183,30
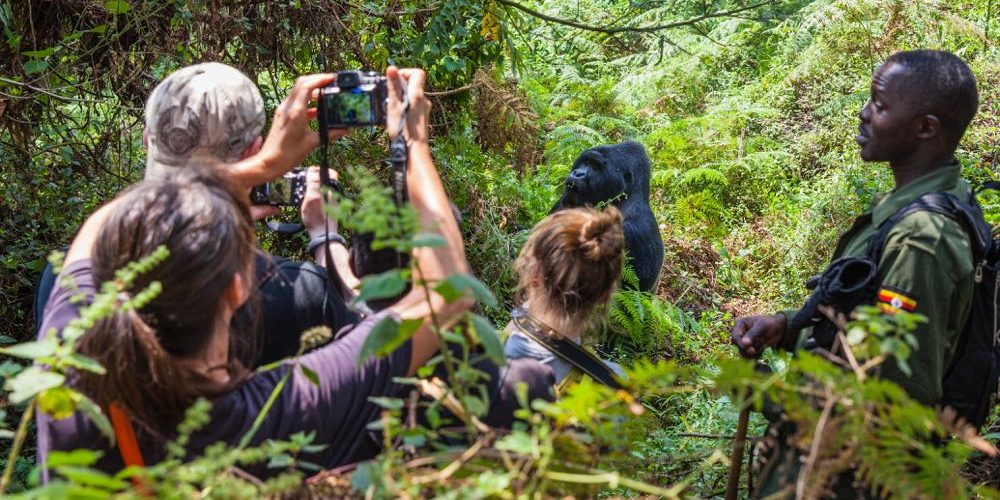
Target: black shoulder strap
x,y
574,354
968,214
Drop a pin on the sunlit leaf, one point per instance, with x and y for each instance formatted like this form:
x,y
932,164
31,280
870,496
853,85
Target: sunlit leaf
x,y
82,457
94,413
117,6
457,285
57,402
84,363
32,350
91,477
309,374
32,381
387,403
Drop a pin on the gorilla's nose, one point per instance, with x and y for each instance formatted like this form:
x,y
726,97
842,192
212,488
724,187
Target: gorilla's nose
x,y
573,183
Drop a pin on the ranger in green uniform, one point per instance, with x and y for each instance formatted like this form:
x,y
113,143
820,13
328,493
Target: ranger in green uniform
x,y
921,103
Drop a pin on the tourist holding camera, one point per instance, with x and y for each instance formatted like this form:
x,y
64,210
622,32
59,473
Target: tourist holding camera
x,y
163,356
210,116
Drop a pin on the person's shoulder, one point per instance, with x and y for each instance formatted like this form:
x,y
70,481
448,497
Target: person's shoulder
x,y
937,235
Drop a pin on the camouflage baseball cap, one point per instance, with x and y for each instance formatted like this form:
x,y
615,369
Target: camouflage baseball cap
x,y
202,115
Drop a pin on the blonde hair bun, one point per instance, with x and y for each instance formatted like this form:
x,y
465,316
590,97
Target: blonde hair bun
x,y
601,236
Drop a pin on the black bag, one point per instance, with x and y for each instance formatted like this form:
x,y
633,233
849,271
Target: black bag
x,y
970,383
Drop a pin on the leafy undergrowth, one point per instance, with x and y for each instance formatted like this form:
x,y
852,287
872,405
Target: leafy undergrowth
x,y
748,121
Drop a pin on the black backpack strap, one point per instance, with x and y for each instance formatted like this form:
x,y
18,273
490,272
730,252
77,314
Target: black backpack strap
x,y
968,214
572,353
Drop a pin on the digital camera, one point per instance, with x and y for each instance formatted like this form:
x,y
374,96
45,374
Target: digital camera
x,y
288,190
355,99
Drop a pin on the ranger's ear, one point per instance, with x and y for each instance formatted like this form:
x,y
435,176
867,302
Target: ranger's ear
x,y
928,127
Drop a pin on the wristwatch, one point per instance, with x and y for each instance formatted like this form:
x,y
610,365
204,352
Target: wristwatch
x,y
323,239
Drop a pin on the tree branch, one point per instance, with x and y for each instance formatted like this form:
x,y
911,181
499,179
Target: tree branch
x,y
632,29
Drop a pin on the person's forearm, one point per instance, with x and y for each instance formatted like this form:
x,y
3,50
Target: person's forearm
x,y
428,198
253,171
341,265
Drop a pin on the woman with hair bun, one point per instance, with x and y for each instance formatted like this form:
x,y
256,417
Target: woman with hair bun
x,y
567,271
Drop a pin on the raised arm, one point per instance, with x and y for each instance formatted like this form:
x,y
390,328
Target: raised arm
x,y
428,198
316,221
290,138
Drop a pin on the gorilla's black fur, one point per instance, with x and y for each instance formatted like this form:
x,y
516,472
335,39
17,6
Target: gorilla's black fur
x,y
619,174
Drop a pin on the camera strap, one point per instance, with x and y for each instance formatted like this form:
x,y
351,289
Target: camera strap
x,y
397,161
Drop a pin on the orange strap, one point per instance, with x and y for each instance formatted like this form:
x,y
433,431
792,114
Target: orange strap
x,y
128,445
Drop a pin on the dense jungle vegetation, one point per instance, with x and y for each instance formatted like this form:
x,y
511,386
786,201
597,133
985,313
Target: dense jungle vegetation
x,y
747,109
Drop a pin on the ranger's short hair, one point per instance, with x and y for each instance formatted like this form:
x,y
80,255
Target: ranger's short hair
x,y
943,86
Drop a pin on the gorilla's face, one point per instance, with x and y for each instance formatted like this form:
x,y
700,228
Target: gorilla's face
x,y
594,179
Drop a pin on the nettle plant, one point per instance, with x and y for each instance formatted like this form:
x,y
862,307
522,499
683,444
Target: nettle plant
x,y
435,442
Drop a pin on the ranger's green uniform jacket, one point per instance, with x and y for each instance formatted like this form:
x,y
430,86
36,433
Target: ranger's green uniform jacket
x,y
926,267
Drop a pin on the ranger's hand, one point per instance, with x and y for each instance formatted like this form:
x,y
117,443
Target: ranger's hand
x,y
753,334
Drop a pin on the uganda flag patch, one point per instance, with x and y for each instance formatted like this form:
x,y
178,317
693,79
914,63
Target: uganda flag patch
x,y
892,301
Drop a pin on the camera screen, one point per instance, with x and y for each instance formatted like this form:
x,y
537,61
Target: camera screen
x,y
353,107
277,192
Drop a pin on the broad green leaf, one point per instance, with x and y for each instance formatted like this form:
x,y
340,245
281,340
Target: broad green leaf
x,y
364,476
32,381
489,339
38,54
4,339
381,286
94,413
384,338
117,6
99,29
57,402
35,66
91,477
309,374
448,292
414,437
474,405
84,363
517,442
467,283
32,350
82,457
387,403
9,368
280,461
428,240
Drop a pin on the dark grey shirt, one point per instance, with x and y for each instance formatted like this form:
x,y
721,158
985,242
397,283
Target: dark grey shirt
x,y
338,410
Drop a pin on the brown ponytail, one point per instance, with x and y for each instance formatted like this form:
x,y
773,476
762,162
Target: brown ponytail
x,y
206,226
571,263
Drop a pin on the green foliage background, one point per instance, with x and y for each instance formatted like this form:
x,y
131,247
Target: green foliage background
x,y
749,121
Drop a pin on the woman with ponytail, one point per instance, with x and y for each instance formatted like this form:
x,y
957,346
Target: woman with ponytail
x,y
180,346
567,271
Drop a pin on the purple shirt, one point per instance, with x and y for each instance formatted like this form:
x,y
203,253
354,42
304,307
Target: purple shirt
x,y
338,410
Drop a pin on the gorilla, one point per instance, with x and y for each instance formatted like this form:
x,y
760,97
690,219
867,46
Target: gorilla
x,y
619,174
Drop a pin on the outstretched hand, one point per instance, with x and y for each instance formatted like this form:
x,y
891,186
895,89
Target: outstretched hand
x,y
753,334
416,129
290,138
